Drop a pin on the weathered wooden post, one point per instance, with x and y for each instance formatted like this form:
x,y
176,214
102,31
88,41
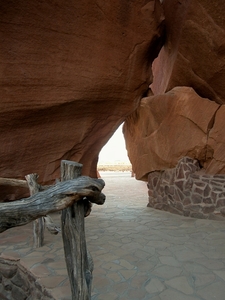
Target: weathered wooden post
x,y
38,224
74,197
73,232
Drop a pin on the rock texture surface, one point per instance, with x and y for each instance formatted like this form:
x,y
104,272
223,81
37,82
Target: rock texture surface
x,y
70,73
194,52
185,113
179,123
18,283
185,191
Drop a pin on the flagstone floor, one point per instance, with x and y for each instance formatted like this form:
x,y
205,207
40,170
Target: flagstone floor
x,y
139,253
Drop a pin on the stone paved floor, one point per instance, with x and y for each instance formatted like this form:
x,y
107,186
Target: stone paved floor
x,y
138,252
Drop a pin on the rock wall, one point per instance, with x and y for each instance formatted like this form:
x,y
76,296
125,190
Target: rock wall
x,y
185,191
193,54
17,284
168,127
184,113
70,74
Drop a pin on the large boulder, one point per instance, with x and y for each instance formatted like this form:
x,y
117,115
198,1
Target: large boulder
x,y
168,127
70,74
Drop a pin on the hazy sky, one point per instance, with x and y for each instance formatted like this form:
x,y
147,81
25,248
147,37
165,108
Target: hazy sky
x,y
114,150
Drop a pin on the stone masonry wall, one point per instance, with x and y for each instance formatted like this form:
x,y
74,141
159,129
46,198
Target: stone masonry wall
x,y
185,191
16,283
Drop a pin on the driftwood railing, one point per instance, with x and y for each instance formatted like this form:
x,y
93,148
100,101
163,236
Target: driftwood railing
x,y
74,196
41,223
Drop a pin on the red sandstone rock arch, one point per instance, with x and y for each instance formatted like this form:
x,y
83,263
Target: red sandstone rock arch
x,y
72,72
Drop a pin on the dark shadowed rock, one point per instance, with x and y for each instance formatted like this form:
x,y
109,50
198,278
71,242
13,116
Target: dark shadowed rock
x,y
70,74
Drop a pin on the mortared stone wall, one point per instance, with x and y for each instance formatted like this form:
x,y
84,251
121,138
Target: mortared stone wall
x,y
184,190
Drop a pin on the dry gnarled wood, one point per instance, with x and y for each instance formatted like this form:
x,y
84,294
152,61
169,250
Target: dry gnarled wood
x,y
38,224
53,199
51,226
78,260
13,182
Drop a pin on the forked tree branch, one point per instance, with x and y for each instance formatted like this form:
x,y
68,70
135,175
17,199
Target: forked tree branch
x,y
55,198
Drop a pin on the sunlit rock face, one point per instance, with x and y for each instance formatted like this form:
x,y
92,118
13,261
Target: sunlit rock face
x,y
70,74
179,123
184,116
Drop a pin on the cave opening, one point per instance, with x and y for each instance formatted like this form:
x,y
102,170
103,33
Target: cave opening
x,y
113,156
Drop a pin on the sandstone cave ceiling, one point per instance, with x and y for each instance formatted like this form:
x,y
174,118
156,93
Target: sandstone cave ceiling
x,y
72,72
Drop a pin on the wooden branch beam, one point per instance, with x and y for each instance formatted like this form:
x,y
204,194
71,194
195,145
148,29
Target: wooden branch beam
x,y
13,182
55,198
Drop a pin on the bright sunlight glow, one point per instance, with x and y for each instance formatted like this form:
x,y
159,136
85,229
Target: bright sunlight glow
x,y
114,152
